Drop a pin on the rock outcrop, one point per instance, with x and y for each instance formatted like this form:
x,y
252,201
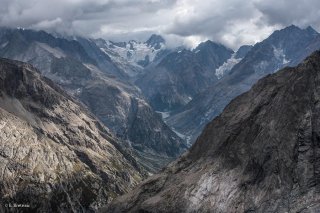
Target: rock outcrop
x,y
55,156
261,154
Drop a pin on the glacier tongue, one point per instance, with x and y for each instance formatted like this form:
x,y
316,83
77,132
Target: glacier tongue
x,y
133,52
280,55
227,66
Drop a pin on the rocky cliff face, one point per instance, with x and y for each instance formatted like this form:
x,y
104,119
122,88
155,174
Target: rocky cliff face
x,y
286,47
261,154
54,155
242,51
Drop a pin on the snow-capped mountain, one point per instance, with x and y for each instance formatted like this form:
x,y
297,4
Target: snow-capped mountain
x,y
286,47
181,74
133,56
156,42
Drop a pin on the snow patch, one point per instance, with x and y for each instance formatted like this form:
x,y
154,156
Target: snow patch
x,y
134,52
280,56
227,66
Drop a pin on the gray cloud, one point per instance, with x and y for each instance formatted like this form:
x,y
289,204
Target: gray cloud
x,y
298,12
231,22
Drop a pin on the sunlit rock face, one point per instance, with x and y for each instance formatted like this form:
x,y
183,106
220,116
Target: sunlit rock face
x,y
55,156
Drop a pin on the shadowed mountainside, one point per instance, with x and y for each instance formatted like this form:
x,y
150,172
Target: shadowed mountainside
x,y
261,154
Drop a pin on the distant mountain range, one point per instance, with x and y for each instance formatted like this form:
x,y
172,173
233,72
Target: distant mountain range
x,y
83,69
147,80
286,47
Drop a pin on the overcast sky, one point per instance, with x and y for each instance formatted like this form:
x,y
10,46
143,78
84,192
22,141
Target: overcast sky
x,y
231,22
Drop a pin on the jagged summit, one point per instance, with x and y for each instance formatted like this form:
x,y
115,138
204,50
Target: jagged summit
x,y
155,41
312,30
293,29
242,51
261,154
210,44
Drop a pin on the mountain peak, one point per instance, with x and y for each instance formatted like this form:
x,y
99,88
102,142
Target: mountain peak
x,y
209,42
293,28
155,41
311,30
243,50
291,35
211,45
286,30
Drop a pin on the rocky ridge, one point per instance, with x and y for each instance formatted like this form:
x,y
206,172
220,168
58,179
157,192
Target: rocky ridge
x,y
55,156
261,154
285,47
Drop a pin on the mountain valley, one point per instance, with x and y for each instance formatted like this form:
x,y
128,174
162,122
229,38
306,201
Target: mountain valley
x,y
261,154
89,124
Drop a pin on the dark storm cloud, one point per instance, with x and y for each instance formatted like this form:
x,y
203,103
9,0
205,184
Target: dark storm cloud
x,y
231,22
